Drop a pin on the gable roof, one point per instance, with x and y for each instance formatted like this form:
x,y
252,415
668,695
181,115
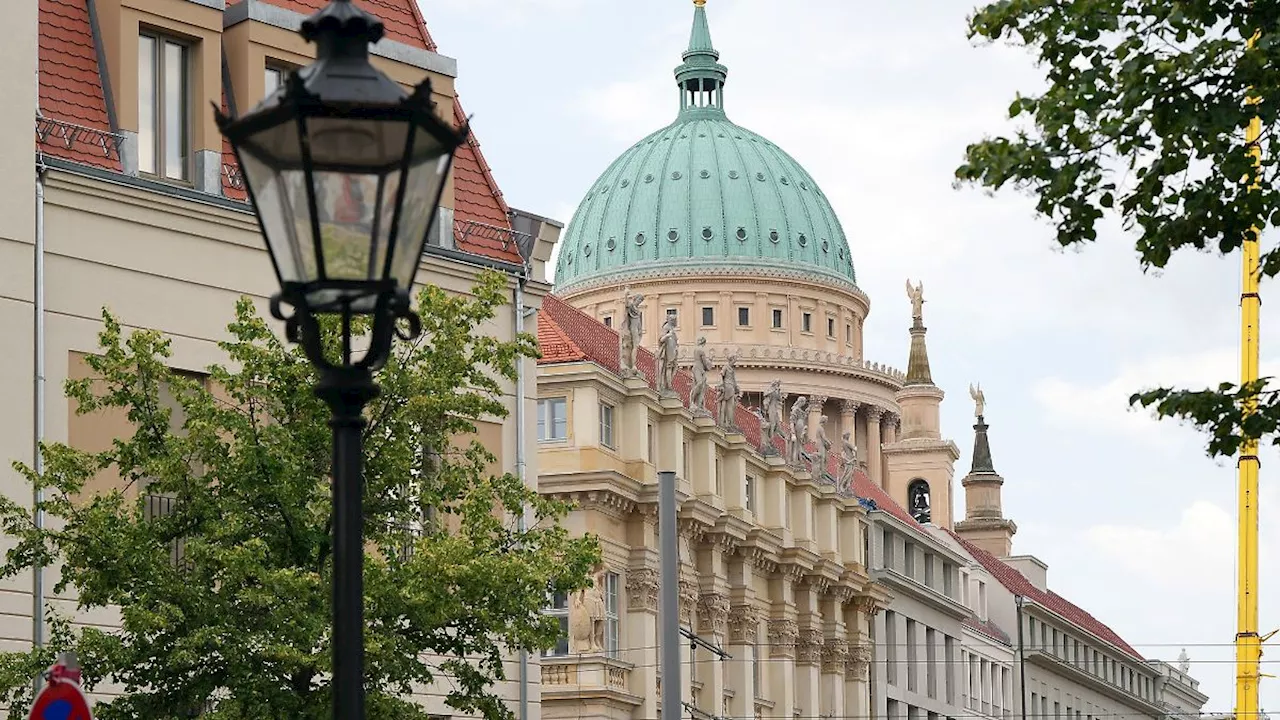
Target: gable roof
x,y
73,91
1017,583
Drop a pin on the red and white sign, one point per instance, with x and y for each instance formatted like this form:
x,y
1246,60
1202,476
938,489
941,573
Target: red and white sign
x,y
61,698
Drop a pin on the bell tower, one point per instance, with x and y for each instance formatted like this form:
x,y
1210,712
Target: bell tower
x,y
984,522
921,463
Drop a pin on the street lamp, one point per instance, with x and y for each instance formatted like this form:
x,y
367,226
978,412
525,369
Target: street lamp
x,y
345,172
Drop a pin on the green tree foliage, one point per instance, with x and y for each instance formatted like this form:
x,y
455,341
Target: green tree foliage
x,y
240,622
1144,118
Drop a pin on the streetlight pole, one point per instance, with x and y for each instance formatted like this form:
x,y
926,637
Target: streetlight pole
x,y
345,171
346,394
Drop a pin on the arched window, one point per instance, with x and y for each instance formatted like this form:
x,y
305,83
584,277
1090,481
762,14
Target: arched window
x,y
919,501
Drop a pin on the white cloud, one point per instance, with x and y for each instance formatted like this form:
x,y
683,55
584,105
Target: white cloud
x,y
1104,407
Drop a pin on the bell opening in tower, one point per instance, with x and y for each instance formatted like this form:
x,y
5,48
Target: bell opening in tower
x,y
918,501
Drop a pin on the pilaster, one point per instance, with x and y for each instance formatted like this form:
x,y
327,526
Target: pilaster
x,y
874,462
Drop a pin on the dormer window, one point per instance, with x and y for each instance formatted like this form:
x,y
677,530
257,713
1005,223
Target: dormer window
x,y
164,118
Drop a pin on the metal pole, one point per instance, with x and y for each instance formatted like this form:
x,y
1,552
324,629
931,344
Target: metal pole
x,y
669,596
520,472
347,391
1022,660
1248,643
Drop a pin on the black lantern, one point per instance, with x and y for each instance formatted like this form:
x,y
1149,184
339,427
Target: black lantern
x,y
345,171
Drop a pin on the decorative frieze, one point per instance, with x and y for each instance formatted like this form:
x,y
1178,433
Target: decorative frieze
x,y
783,633
744,624
713,612
642,589
858,663
809,647
835,654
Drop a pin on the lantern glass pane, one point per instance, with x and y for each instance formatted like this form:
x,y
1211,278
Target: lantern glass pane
x,y
357,145
281,199
428,167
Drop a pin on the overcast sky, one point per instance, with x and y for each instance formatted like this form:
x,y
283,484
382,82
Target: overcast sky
x,y
877,99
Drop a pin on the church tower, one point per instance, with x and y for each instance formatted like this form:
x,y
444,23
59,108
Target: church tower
x,y
984,523
920,462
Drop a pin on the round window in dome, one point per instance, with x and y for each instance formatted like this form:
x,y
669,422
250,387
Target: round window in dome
x,y
784,180
802,240
825,246
611,244
673,235
773,236
639,238
733,174
704,174
586,250
648,178
804,185
604,188
760,176
707,233
742,234
624,183
676,175
568,259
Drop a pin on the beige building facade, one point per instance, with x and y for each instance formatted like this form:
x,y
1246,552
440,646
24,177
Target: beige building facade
x,y
126,198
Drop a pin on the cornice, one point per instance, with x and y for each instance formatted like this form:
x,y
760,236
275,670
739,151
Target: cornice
x,y
723,269
921,592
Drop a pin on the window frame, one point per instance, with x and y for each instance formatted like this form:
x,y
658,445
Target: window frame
x,y
548,421
557,609
612,615
708,316
744,316
831,327
608,438
778,318
160,40
806,323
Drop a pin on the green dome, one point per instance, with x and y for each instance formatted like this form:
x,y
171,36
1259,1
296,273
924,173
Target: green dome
x,y
703,194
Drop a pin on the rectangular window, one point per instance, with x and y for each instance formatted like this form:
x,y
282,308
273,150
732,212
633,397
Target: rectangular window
x,y
559,608
777,317
928,569
708,316
887,541
831,327
806,322
719,479
612,626
273,78
744,316
606,425
891,647
848,333
608,321
749,493
913,662
553,419
930,662
673,313
164,145
653,444
909,560
982,600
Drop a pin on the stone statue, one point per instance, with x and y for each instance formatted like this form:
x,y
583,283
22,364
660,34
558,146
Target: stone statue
x,y
916,295
799,433
1184,662
979,400
668,355
701,364
824,447
729,392
848,462
772,407
630,332
587,618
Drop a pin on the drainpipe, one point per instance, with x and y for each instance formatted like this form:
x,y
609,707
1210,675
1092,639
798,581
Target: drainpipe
x,y
520,469
37,574
1022,659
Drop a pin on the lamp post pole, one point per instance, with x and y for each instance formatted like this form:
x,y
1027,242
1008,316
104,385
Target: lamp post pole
x,y
346,392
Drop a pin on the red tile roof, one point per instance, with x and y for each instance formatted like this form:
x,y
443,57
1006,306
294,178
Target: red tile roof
x,y
70,84
1017,583
987,628
71,91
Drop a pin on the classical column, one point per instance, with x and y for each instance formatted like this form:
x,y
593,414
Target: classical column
x,y
744,624
889,433
816,403
782,635
809,653
874,463
642,625
835,653
713,616
849,411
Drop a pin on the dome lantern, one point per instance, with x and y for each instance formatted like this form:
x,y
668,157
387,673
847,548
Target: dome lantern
x,y
701,76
